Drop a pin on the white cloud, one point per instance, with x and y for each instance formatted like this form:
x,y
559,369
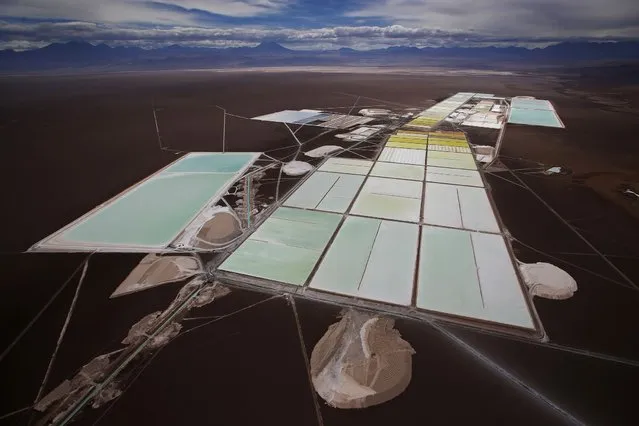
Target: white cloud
x,y
117,11
352,36
514,18
234,8
79,30
416,22
136,11
19,45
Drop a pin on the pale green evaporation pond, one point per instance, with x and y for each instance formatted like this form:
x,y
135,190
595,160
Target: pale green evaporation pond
x,y
331,192
470,274
285,247
371,258
452,160
154,212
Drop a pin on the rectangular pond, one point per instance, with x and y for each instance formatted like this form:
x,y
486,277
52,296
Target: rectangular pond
x,y
152,213
286,247
326,191
534,117
371,258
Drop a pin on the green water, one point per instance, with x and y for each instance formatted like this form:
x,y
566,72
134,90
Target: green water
x,y
344,264
211,162
152,214
326,191
285,247
448,279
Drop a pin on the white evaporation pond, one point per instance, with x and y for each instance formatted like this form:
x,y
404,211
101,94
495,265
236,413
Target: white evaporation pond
x,y
458,206
470,274
398,171
346,165
403,156
288,116
371,259
454,176
331,192
453,160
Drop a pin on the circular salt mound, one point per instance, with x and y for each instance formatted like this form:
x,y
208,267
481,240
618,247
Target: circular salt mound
x,y
361,361
296,168
220,230
548,281
322,151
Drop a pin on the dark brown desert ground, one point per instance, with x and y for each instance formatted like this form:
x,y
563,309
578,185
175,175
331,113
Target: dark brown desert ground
x,y
71,142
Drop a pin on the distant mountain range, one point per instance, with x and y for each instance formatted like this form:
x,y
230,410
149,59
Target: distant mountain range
x,y
85,56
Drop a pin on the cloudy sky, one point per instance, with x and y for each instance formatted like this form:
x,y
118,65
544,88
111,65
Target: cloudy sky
x,y
303,24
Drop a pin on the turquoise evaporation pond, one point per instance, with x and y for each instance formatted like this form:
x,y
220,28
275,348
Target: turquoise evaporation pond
x,y
211,163
531,104
534,117
153,213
